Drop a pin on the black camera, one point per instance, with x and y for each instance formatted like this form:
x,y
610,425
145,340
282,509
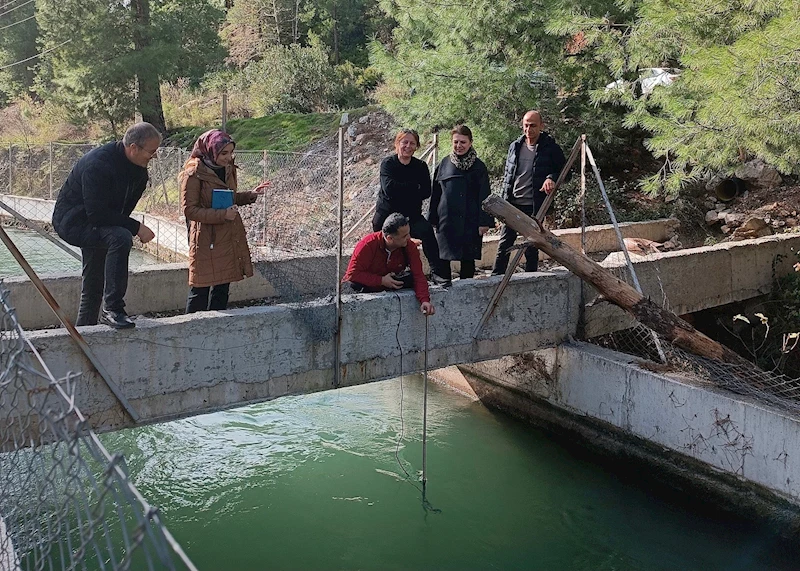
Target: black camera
x,y
406,277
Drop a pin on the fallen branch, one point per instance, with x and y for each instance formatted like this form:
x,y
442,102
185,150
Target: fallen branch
x,y
663,322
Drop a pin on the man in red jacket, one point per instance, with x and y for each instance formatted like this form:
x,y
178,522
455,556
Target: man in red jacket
x,y
388,260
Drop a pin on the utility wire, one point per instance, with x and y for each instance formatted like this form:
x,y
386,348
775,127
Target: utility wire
x,y
11,3
19,22
15,7
40,54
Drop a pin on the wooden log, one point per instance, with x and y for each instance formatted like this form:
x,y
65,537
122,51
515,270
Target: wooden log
x,y
663,322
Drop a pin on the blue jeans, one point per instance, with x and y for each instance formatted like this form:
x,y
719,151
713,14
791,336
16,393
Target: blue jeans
x,y
104,259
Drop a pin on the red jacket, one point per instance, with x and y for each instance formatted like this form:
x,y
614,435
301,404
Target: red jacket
x,y
371,261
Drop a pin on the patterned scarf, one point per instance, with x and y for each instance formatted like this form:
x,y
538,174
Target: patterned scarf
x,y
210,144
464,162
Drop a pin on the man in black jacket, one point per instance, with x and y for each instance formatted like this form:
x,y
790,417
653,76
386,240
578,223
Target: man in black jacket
x,y
533,164
93,212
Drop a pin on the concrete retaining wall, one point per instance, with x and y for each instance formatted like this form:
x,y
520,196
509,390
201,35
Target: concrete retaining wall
x,y
736,449
186,365
699,278
164,287
692,279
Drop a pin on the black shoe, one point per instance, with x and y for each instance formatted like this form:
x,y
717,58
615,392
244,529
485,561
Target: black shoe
x,y
440,281
116,319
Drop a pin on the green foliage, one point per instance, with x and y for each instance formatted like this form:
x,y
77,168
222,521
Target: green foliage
x,y
341,27
277,132
17,43
485,63
93,63
738,93
291,79
627,205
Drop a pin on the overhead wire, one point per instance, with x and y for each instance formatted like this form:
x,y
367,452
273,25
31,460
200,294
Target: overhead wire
x,y
15,7
40,54
18,22
10,3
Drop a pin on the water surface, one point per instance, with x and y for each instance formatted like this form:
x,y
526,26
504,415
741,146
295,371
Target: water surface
x,y
312,482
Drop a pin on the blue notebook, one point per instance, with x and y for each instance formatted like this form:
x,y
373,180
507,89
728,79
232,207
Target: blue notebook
x,y
221,198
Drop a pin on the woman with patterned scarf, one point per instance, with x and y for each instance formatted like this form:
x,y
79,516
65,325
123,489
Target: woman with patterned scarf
x,y
460,184
218,251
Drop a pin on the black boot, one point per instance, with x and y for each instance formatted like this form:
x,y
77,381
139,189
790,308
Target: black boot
x,y
116,319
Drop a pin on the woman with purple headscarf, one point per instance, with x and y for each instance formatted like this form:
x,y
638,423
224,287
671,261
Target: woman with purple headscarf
x,y
218,251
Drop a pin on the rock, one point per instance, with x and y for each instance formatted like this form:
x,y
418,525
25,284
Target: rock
x,y
733,219
352,131
345,118
710,204
720,207
671,244
712,217
791,222
360,138
363,119
641,246
725,229
752,228
357,157
759,173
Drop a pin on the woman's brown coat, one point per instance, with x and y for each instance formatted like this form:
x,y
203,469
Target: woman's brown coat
x,y
218,251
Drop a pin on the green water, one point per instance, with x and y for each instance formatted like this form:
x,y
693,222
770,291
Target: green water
x,y
47,258
312,482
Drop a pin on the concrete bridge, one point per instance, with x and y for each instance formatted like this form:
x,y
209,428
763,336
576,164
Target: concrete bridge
x,y
185,365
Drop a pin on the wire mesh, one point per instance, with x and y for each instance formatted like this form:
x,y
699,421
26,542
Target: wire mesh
x,y
292,230
65,502
742,378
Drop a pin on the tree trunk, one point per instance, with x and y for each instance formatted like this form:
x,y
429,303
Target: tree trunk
x,y
335,35
149,82
663,322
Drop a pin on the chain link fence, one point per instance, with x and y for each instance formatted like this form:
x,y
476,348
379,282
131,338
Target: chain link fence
x,y
65,501
297,217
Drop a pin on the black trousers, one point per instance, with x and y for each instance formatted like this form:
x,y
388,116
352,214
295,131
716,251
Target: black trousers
x,y
421,229
467,269
210,298
508,236
104,272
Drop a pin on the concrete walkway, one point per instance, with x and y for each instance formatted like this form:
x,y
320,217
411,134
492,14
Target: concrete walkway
x,y
192,364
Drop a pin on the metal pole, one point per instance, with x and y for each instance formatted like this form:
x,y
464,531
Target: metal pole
x,y
425,412
264,172
10,168
620,239
435,151
224,110
338,354
77,337
583,195
618,232
51,170
38,229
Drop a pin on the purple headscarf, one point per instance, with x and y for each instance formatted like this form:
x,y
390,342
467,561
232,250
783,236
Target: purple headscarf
x,y
210,144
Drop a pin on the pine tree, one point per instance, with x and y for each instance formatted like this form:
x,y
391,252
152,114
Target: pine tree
x,y
117,53
17,44
737,94
486,62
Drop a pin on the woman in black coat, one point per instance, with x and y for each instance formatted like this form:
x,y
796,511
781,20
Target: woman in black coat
x,y
405,184
460,184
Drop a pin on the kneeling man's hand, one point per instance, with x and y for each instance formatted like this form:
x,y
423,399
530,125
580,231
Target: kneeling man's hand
x,y
145,234
389,282
427,308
